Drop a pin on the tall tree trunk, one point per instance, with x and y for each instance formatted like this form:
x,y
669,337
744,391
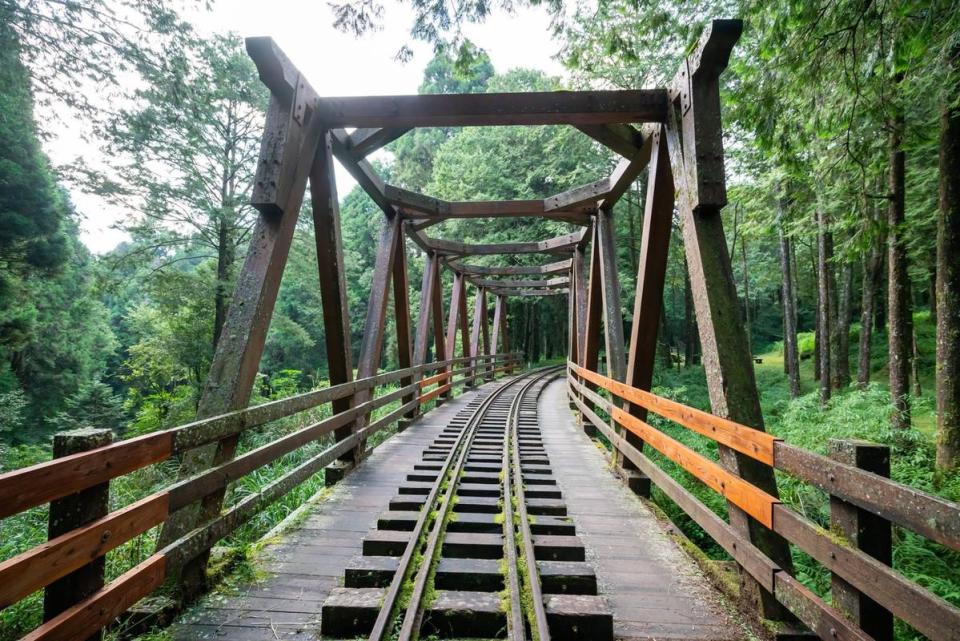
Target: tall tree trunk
x,y
225,259
690,325
666,349
915,364
824,296
844,318
746,293
899,320
791,357
948,278
872,266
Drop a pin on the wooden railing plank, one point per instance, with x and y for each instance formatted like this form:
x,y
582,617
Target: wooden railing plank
x,y
747,497
931,516
38,484
753,443
105,605
38,567
925,611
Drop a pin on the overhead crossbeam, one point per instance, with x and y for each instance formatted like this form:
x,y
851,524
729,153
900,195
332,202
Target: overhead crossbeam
x,y
560,244
364,142
546,283
484,109
559,267
528,292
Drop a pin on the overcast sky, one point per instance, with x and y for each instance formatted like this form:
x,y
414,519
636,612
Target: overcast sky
x,y
336,64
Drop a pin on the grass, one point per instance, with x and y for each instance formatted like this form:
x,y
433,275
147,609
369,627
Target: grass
x,y
852,413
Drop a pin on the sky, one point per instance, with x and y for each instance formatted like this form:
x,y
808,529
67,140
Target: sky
x,y
335,63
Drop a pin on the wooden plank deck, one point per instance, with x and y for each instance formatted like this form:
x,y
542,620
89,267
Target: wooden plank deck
x,y
656,591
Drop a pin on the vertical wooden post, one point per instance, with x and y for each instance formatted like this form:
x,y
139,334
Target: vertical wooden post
x,y
479,327
287,153
439,336
648,301
579,280
333,287
371,345
863,530
71,512
431,265
485,335
590,353
401,309
500,328
698,171
610,282
457,321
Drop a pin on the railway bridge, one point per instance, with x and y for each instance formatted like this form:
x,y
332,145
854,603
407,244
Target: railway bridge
x,y
471,496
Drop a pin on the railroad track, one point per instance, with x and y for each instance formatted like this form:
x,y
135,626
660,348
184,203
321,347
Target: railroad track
x,y
477,543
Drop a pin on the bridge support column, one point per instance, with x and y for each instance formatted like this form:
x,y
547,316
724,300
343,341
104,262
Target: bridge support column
x,y
287,153
401,308
698,172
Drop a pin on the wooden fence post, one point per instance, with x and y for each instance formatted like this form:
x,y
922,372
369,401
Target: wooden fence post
x,y
71,512
863,530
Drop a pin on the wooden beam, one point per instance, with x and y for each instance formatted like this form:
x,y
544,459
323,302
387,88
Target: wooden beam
x,y
629,169
528,292
414,201
610,281
547,283
456,321
495,208
423,322
278,73
651,273
621,138
362,171
558,267
401,311
436,312
578,196
330,263
551,245
528,108
578,272
371,343
697,167
479,330
364,142
499,323
591,341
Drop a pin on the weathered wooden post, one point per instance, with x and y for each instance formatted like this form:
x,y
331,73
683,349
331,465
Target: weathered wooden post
x,y
71,512
697,166
863,530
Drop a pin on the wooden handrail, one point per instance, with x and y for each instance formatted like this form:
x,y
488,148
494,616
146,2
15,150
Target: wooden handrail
x,y
926,514
925,611
38,567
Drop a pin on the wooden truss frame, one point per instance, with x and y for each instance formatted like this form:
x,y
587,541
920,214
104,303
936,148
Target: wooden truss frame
x,y
675,130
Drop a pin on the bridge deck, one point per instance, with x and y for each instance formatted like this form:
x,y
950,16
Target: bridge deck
x,y
655,590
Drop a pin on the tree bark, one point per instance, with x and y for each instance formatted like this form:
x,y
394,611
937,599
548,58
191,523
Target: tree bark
x,y
225,259
690,325
948,279
791,357
872,265
899,320
746,294
844,318
824,312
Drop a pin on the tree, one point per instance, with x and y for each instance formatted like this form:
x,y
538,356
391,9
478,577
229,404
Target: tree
x,y
93,405
183,160
74,46
948,272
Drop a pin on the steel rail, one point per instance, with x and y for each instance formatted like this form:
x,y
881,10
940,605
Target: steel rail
x,y
384,623
516,630
413,617
539,628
